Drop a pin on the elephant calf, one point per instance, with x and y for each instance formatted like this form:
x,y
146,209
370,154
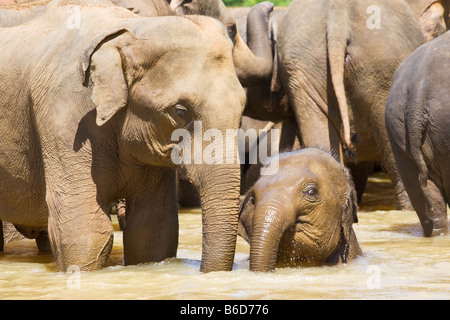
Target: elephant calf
x,y
418,124
302,215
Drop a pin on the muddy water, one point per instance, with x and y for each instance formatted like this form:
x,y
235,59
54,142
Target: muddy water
x,y
398,263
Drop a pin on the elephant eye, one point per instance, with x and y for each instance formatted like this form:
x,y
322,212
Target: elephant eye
x,y
310,191
181,115
181,111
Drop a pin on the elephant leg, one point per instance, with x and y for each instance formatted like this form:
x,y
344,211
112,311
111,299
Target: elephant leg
x,y
431,207
43,242
402,198
80,232
121,211
40,234
188,196
426,197
438,213
289,136
315,120
151,232
360,172
2,238
316,131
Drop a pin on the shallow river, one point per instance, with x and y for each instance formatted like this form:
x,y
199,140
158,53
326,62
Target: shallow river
x,y
398,263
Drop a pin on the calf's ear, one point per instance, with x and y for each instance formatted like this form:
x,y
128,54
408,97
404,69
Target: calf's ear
x,y
246,211
349,216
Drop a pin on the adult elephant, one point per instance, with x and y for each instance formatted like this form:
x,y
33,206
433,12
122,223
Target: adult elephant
x,y
96,108
336,62
417,121
301,215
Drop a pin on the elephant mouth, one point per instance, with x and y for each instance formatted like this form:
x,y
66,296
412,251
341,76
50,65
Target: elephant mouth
x,y
299,247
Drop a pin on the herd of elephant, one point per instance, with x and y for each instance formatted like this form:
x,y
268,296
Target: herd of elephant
x,y
91,91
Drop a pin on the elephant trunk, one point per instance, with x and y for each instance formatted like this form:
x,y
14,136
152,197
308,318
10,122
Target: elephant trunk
x,y
254,63
219,189
270,223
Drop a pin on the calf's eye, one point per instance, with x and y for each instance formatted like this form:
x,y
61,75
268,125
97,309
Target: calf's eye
x,y
310,190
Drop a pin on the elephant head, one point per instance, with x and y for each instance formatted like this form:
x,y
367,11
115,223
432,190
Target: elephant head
x,y
301,215
253,60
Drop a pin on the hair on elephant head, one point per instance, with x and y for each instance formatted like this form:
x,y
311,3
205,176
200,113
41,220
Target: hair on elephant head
x,y
301,215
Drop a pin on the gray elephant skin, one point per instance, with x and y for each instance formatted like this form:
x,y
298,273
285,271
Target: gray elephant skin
x,y
302,215
87,117
417,121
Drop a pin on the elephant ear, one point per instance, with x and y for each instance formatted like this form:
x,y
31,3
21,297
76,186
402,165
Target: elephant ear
x,y
174,4
246,217
351,204
102,67
434,20
348,243
348,247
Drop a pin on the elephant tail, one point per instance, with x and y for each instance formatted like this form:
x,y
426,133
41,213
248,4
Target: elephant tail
x,y
338,35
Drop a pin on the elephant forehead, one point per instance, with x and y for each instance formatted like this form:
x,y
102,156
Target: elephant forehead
x,y
288,179
304,166
316,160
185,74
182,33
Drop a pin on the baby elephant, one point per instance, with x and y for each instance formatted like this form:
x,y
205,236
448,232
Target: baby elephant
x,y
302,215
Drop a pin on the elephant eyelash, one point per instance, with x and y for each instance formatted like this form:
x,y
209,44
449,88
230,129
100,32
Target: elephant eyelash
x,y
180,114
